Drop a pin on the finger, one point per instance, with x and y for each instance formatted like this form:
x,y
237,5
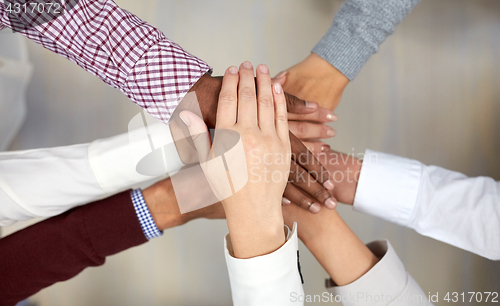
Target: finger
x,y
321,115
199,134
281,114
228,99
309,130
299,106
280,78
247,100
303,157
317,147
265,100
303,180
296,196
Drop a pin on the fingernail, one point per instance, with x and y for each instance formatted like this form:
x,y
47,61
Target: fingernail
x,y
330,203
315,208
263,69
277,88
281,74
331,117
325,148
233,70
331,132
328,185
310,104
285,201
185,119
247,65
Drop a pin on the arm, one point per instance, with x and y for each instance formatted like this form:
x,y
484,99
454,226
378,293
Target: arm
x,y
59,248
471,206
412,194
47,182
119,48
154,72
358,30
262,260
359,274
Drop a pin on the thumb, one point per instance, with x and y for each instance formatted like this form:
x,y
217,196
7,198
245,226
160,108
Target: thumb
x,y
199,134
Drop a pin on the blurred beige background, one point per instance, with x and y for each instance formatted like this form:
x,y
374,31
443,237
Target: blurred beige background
x,y
432,93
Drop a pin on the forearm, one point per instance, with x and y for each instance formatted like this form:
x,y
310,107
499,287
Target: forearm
x,y
341,253
409,193
358,30
75,175
128,53
61,247
332,242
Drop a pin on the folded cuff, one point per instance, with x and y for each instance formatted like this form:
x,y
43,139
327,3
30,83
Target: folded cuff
x,y
379,286
346,53
388,187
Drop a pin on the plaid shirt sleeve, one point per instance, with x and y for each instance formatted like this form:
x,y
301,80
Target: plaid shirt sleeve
x,y
119,48
148,225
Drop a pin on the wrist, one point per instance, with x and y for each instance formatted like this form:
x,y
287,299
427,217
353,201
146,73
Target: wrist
x,y
254,230
207,91
162,205
256,239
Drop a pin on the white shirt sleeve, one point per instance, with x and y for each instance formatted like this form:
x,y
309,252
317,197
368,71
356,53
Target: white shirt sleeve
x,y
387,283
271,279
47,182
439,203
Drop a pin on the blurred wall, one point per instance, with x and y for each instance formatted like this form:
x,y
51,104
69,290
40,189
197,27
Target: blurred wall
x,y
432,93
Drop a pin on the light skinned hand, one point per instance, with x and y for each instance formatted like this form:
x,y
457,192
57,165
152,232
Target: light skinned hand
x,y
314,79
317,185
259,115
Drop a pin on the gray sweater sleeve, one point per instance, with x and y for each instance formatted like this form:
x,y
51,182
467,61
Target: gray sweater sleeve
x,y
357,31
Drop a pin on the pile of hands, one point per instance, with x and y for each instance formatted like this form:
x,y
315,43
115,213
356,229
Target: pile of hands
x,y
273,118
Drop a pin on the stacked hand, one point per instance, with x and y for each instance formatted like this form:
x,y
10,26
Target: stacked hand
x,y
309,185
314,79
259,116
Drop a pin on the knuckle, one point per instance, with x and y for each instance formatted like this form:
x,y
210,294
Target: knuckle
x,y
281,118
226,97
291,100
301,128
321,195
325,176
305,202
266,101
247,93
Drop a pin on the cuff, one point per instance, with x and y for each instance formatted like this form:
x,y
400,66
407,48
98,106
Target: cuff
x,y
148,225
271,279
388,187
346,53
111,224
122,161
261,269
380,286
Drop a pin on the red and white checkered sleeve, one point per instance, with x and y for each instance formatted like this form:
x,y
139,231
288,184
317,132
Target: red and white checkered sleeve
x,y
119,48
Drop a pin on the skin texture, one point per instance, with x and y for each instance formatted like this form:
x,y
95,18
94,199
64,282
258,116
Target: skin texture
x,y
311,119
258,113
314,79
